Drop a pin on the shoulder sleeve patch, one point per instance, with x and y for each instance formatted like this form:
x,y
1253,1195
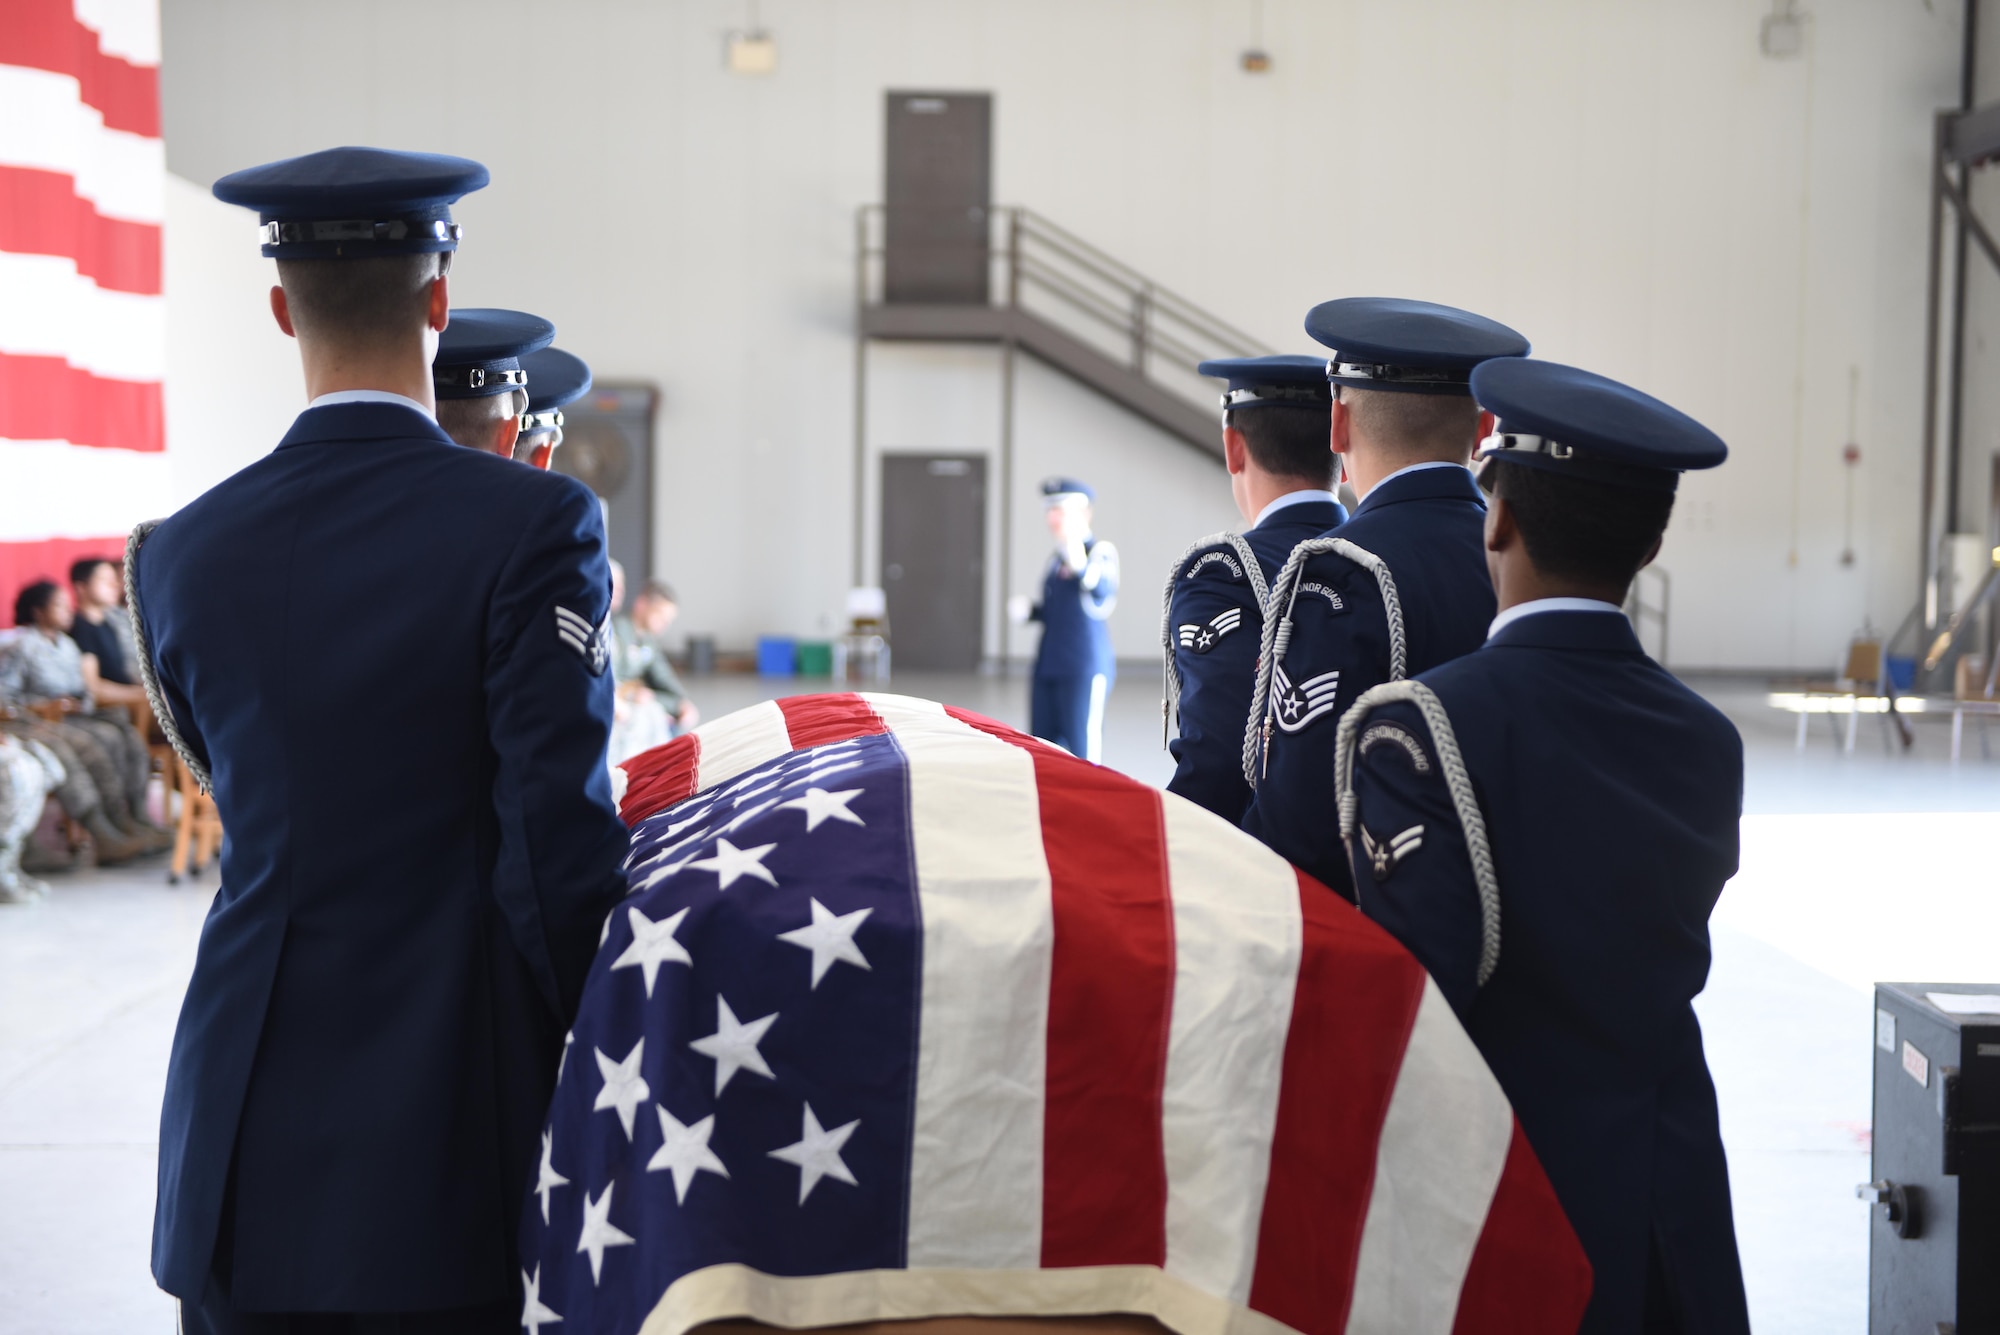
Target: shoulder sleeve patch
x,y
1217,562
1394,734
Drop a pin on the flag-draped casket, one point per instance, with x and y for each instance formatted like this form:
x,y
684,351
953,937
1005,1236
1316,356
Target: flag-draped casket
x,y
908,1014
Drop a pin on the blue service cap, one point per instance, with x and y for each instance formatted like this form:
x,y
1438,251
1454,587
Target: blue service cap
x,y
1282,378
1412,347
1056,488
555,378
479,353
353,203
1581,424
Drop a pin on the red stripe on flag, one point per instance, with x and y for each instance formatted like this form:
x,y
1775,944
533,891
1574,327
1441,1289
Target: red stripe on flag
x,y
1355,1003
820,720
22,563
1529,1275
994,728
46,35
45,398
41,214
1111,991
658,778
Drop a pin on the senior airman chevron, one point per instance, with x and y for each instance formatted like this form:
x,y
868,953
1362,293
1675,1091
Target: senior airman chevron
x,y
908,1014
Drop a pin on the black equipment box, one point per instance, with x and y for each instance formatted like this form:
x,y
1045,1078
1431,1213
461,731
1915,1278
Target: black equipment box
x,y
1934,1243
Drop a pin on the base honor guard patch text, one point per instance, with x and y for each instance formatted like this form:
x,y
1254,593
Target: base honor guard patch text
x,y
1202,638
590,642
1384,855
1215,558
1390,734
1297,706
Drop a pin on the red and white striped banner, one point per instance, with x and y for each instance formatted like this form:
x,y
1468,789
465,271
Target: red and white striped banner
x,y
82,315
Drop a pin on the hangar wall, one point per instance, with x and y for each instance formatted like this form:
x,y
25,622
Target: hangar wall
x,y
1634,186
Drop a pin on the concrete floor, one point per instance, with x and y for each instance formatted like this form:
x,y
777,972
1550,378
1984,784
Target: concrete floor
x,y
1872,865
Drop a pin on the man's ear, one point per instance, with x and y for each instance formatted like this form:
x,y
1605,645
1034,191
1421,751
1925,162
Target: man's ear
x,y
1653,552
1340,428
1235,450
281,310
1500,530
440,305
1487,423
503,439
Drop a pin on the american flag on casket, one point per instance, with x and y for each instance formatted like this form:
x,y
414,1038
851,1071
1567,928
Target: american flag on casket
x,y
910,1015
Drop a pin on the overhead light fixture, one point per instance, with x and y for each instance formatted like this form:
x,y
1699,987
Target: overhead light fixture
x,y
1255,59
1782,36
753,52
1256,62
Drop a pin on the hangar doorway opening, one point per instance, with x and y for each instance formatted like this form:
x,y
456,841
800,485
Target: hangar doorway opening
x,y
934,558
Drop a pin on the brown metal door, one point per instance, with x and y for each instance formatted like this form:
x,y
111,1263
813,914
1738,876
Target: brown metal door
x,y
938,187
934,558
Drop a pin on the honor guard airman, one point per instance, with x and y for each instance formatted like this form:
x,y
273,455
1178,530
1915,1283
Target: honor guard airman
x,y
1281,474
1547,822
387,655
556,379
1074,665
1400,587
479,377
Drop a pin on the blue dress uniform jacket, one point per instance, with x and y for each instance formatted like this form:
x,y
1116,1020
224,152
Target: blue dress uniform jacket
x,y
370,637
1609,795
1214,620
1427,527
1066,700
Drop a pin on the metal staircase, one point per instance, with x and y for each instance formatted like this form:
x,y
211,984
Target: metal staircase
x,y
1072,307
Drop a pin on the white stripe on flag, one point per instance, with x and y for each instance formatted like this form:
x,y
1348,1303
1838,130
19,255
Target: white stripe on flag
x,y
1237,939
52,489
45,124
737,743
1444,1143
982,1046
47,310
128,29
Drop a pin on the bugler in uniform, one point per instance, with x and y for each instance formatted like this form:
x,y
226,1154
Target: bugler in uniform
x,y
388,655
1547,822
1402,586
1281,473
1074,665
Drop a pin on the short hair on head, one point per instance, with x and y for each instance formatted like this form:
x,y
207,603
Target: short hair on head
x,y
347,301
470,421
1288,440
82,569
1579,528
658,589
1415,427
29,602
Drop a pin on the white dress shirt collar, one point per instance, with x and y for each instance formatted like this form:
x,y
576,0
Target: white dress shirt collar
x,y
341,396
1528,609
1291,498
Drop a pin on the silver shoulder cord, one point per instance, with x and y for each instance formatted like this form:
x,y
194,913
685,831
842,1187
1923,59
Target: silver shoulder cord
x,y
148,677
1456,780
1278,638
1170,688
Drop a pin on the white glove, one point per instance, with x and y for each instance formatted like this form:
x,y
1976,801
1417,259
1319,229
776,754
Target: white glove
x,y
1018,608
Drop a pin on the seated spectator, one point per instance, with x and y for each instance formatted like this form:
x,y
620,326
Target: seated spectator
x,y
638,721
46,672
27,774
101,629
641,660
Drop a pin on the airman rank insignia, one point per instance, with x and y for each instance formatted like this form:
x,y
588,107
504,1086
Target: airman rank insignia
x,y
1385,855
1298,706
1390,734
1202,638
590,642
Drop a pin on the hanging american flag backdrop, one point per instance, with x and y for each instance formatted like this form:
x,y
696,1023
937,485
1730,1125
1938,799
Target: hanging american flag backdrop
x,y
82,324
908,1014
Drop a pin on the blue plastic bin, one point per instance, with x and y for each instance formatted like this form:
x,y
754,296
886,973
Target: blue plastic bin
x,y
777,656
1902,671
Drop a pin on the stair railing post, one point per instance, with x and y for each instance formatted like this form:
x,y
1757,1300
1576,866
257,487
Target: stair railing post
x,y
1013,259
1142,320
